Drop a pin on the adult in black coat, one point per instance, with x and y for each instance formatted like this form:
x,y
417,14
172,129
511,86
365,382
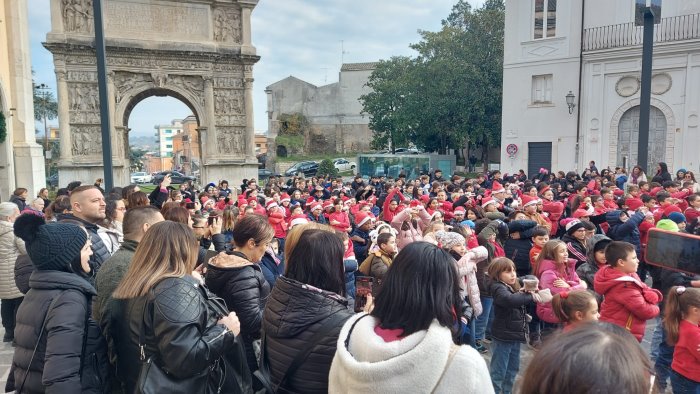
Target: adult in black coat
x,y
662,174
238,279
182,333
301,303
517,246
23,270
59,347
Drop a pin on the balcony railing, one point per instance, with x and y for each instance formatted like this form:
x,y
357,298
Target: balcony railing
x,y
677,28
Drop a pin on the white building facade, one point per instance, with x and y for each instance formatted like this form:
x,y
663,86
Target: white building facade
x,y
164,137
593,48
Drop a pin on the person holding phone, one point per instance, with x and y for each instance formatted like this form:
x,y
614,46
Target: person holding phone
x,y
161,194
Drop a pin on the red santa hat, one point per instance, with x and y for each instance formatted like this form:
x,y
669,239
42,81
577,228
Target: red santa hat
x,y
285,197
486,201
327,204
633,203
251,199
298,219
529,200
425,198
414,203
580,213
496,187
204,199
270,203
361,218
315,206
460,209
310,200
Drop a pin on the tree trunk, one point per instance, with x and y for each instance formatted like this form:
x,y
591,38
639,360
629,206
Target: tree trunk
x,y
485,153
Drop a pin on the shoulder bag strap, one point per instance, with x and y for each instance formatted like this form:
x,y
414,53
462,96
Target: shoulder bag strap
x,y
453,350
85,335
38,340
330,323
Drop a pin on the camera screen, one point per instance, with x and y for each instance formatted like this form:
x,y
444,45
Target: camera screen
x,y
674,250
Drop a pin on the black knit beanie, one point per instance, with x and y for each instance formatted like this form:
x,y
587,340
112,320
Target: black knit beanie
x,y
51,246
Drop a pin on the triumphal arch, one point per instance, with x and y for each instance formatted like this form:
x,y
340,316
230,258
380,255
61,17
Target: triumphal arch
x,y
198,51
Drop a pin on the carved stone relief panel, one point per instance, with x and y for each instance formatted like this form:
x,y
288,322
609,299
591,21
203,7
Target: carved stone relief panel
x,y
192,84
126,81
227,101
228,83
83,97
230,140
227,25
77,16
86,140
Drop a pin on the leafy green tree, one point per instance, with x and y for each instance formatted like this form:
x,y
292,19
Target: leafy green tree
x,y
450,94
3,128
326,168
45,108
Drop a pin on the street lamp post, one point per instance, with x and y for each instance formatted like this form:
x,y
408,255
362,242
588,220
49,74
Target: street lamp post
x,y
44,94
645,95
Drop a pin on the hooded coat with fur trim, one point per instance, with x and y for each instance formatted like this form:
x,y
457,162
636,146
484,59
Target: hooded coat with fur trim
x,y
417,363
628,302
242,285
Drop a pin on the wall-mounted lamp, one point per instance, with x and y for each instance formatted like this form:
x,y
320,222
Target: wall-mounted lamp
x,y
570,98
12,111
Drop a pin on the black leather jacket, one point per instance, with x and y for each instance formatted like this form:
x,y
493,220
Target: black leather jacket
x,y
293,315
180,331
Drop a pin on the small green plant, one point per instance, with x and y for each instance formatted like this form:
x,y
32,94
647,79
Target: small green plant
x,y
3,128
327,168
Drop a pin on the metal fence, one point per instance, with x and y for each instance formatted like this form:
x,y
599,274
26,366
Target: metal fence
x,y
677,28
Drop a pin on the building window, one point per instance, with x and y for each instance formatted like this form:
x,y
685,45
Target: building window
x,y
168,131
542,89
168,147
545,18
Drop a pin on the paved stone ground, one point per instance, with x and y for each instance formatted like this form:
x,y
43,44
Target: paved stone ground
x,y
6,352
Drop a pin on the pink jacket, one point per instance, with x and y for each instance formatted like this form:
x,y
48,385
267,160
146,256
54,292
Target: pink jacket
x,y
407,233
467,272
549,272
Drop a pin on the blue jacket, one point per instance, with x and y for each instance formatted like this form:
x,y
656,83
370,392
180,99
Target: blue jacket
x,y
270,268
627,231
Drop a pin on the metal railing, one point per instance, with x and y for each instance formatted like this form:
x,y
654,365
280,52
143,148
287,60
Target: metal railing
x,y
676,28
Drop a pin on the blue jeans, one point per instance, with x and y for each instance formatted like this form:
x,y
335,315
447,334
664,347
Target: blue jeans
x,y
656,337
683,385
483,319
505,364
664,358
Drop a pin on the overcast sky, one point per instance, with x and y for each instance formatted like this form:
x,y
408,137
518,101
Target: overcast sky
x,y
293,37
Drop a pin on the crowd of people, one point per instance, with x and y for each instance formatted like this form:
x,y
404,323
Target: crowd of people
x,y
319,285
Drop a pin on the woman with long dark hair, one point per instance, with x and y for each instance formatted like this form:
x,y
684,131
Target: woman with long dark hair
x,y
307,300
406,342
662,174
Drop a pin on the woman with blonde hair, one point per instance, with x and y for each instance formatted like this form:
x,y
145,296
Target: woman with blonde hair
x,y
161,313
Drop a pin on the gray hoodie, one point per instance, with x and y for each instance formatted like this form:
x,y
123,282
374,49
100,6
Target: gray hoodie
x,y
587,270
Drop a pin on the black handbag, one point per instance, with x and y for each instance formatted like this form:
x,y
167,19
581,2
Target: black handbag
x,y
233,374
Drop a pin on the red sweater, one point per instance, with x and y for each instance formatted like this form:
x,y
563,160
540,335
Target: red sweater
x,y
278,224
686,358
341,217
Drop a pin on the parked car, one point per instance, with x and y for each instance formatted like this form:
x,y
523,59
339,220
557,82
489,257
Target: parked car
x,y
141,177
306,168
177,177
264,173
344,165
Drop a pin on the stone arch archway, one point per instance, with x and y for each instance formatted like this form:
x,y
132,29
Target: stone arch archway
x,y
197,51
667,112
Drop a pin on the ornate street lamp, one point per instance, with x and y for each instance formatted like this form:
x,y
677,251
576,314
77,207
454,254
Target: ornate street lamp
x,y
570,98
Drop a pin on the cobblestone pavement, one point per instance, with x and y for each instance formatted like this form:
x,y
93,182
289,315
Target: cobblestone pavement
x,y
6,351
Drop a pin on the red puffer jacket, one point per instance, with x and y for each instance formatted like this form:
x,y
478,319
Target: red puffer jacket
x,y
628,303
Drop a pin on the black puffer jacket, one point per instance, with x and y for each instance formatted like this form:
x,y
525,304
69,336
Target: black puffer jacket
x,y
244,288
100,253
57,363
509,322
294,313
180,332
518,249
23,270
